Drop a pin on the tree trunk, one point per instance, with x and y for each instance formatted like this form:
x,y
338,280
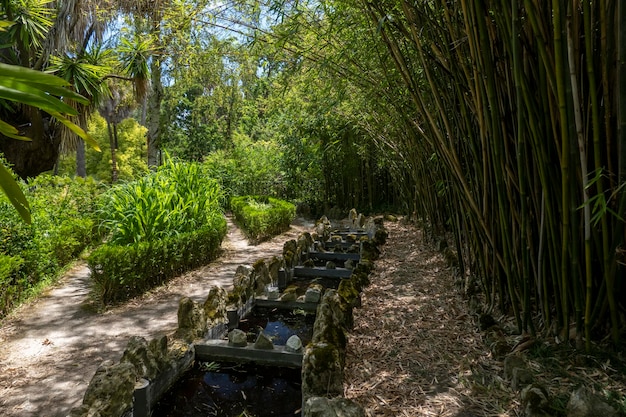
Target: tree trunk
x,y
113,144
81,169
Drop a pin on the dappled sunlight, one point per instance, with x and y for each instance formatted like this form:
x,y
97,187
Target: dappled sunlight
x,y
51,348
414,351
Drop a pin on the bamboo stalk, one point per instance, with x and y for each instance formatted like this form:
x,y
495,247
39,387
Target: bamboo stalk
x,y
521,153
582,152
565,166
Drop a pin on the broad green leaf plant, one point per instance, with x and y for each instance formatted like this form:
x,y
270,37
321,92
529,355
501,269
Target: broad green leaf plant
x,y
43,91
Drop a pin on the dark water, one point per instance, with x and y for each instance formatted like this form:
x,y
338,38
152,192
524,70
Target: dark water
x,y
234,390
278,324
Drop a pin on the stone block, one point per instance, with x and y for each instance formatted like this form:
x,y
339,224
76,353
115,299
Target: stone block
x,y
294,344
313,294
215,304
322,371
521,378
191,320
335,407
584,403
510,363
141,357
110,392
237,338
263,342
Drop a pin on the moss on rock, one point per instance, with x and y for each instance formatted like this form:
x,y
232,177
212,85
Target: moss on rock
x,y
322,371
215,305
110,392
191,320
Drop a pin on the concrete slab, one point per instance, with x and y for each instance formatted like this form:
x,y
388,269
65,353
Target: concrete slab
x,y
334,256
286,305
345,232
304,272
343,244
219,350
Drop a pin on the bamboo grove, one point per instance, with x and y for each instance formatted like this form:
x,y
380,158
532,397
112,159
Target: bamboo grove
x,y
516,142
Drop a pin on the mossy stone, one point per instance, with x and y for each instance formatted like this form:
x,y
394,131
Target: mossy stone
x,y
348,291
191,320
110,392
215,304
322,371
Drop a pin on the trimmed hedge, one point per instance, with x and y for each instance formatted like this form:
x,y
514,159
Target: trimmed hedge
x,y
157,227
262,217
11,290
120,272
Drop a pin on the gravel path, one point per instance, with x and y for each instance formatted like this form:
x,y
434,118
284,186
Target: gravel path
x,y
51,347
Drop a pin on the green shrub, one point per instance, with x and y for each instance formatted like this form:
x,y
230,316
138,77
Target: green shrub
x,y
262,217
123,271
9,272
71,238
177,198
157,227
249,168
62,226
131,152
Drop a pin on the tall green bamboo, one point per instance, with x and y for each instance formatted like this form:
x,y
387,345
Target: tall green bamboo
x,y
513,105
560,76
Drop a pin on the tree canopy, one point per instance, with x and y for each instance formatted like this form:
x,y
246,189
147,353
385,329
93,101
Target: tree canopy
x,y
499,125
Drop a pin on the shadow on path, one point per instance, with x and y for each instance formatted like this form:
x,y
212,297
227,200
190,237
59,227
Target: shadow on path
x,y
51,347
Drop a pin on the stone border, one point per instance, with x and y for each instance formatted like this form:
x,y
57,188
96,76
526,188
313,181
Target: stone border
x,y
148,369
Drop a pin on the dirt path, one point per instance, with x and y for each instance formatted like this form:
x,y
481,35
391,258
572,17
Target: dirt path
x,y
50,348
415,349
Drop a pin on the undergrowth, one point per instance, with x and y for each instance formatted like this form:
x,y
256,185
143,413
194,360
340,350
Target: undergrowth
x,y
157,227
32,256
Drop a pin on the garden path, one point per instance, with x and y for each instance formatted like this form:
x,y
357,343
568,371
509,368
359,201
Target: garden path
x,y
51,347
415,349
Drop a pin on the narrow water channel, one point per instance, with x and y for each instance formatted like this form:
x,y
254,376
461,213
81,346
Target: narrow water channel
x,y
278,324
233,390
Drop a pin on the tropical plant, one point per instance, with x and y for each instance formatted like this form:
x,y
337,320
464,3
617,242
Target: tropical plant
x,y
157,227
177,198
29,87
37,28
85,71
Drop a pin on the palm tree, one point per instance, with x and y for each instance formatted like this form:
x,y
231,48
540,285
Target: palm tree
x,y
85,72
115,109
23,86
36,28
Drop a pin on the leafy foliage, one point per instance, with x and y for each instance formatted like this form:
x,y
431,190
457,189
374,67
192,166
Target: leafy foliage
x,y
130,153
262,217
250,167
25,86
177,198
156,227
63,225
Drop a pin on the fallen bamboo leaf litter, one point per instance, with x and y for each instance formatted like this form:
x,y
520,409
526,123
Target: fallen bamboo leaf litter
x,y
416,349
